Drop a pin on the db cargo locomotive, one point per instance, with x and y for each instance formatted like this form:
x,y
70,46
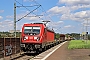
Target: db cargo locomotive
x,y
36,37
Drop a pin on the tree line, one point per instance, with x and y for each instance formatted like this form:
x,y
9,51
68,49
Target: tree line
x,y
8,34
57,35
75,36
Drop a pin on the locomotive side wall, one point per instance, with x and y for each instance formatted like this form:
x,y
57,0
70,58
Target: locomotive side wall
x,y
50,36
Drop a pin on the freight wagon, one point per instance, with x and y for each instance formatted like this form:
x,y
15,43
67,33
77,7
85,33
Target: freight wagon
x,y
62,37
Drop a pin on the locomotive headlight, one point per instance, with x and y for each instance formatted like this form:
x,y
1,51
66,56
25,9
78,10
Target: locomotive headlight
x,y
26,37
37,38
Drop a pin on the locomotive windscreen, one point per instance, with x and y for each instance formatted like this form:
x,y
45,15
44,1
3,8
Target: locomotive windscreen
x,y
34,30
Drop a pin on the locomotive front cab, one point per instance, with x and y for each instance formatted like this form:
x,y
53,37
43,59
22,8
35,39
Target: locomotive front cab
x,y
31,34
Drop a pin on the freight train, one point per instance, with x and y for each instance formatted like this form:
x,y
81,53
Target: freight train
x,y
37,37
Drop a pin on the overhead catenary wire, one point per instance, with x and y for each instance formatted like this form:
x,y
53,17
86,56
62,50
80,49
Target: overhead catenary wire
x,y
27,14
27,9
21,17
38,5
43,10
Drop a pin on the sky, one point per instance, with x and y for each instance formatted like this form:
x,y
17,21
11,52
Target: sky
x,y
65,16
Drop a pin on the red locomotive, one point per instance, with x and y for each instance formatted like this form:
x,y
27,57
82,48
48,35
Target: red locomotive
x,y
36,36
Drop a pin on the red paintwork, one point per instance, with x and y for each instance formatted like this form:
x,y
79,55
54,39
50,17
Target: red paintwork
x,y
50,36
45,34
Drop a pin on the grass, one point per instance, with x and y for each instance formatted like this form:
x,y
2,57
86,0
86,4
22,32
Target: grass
x,y
79,44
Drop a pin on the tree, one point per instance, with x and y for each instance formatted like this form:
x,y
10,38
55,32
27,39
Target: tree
x,y
57,35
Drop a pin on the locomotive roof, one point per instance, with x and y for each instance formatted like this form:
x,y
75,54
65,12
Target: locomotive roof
x,y
45,26
32,23
37,23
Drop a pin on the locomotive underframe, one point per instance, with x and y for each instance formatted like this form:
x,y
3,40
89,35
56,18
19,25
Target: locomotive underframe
x,y
30,47
36,47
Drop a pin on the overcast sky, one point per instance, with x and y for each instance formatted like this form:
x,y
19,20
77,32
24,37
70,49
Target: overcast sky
x,y
66,16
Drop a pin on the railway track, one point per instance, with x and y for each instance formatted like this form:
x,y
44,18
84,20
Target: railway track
x,y
23,56
28,56
10,46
